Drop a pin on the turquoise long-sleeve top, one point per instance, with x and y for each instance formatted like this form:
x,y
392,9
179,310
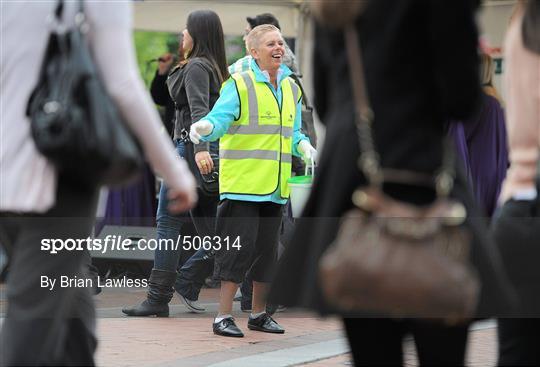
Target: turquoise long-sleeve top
x,y
227,109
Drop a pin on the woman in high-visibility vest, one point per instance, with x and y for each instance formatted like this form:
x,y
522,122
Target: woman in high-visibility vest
x,y
257,119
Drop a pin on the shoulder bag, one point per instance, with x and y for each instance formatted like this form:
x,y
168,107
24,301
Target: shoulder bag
x,y
74,122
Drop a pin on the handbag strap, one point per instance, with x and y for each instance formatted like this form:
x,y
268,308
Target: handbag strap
x,y
369,160
59,11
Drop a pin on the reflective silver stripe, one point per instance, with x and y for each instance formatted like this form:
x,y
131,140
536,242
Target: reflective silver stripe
x,y
286,158
261,129
254,130
254,154
253,103
287,132
247,154
295,91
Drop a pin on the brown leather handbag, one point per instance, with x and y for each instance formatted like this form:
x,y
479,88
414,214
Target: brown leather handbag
x,y
393,258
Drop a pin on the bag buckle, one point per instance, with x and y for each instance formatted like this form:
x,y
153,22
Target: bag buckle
x,y
80,21
55,24
184,136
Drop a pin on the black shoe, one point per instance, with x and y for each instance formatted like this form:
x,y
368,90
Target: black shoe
x,y
146,308
265,323
160,293
227,327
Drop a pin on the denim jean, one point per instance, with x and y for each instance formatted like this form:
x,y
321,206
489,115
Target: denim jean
x,y
192,274
170,226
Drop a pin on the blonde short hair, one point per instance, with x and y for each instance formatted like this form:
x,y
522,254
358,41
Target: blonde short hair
x,y
254,37
487,69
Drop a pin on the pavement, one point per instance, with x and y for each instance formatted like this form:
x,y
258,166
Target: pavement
x,y
186,339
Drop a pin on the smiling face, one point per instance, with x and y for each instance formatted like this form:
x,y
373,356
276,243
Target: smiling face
x,y
268,50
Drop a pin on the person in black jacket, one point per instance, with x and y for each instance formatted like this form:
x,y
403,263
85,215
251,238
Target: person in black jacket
x,y
194,86
194,266
414,86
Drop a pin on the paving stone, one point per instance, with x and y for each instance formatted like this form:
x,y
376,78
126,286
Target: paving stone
x,y
186,339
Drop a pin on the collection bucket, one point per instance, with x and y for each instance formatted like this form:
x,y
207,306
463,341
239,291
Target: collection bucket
x,y
300,189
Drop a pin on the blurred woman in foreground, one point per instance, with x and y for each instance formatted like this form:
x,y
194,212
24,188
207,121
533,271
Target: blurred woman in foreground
x,y
55,325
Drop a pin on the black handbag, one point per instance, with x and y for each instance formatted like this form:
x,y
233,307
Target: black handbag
x,y
74,122
208,184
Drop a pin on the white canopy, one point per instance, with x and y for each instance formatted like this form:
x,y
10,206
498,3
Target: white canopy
x,y
171,15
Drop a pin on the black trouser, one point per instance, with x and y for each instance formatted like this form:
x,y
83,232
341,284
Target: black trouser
x,y
286,231
42,326
519,342
200,265
379,342
516,232
256,226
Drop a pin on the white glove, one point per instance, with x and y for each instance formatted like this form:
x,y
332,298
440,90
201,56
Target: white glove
x,y
307,151
198,129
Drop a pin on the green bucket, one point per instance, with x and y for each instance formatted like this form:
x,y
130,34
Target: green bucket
x,y
300,188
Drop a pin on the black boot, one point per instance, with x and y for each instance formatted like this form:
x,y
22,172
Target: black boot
x,y
160,293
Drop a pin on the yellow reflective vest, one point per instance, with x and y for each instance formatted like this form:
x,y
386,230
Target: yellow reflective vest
x,y
256,151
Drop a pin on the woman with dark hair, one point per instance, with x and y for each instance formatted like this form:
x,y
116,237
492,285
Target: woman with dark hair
x,y
194,86
516,229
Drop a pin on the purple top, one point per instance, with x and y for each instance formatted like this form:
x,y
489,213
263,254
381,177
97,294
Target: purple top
x,y
482,145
